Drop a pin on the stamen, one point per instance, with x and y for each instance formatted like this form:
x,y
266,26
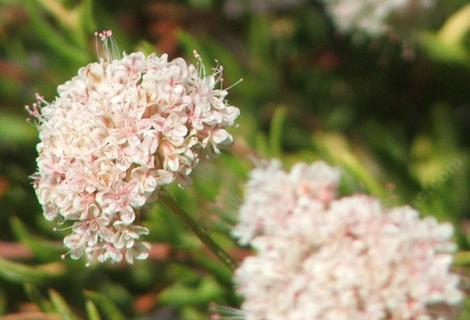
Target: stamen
x,y
55,229
35,110
106,46
64,255
234,84
200,64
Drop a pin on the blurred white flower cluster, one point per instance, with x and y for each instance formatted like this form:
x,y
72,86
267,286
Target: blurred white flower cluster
x,y
374,17
326,258
115,134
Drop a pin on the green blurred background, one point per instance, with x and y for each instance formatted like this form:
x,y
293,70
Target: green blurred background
x,y
395,117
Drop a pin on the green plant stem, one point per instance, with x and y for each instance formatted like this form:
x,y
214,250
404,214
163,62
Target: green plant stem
x,y
197,229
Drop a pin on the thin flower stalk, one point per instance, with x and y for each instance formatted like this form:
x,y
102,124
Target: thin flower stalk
x,y
197,229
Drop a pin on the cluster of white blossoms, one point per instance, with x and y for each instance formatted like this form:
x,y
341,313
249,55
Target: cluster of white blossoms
x,y
320,257
117,132
374,17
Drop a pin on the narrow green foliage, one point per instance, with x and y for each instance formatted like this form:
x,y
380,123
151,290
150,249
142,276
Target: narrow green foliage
x,y
258,42
46,251
87,19
208,290
36,297
52,38
262,146
60,306
448,45
67,18
92,311
21,273
107,307
336,148
445,52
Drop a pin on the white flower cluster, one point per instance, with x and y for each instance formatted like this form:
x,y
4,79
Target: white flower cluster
x,y
116,133
373,17
326,258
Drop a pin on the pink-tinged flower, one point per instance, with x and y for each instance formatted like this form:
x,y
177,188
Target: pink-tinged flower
x,y
116,133
327,258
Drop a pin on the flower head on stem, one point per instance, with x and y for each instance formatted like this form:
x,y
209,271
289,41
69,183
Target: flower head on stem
x,y
117,132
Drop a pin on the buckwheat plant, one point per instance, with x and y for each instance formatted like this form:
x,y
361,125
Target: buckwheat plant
x,y
117,133
320,257
374,18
